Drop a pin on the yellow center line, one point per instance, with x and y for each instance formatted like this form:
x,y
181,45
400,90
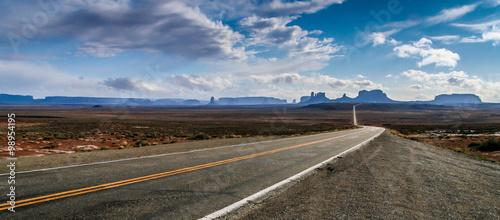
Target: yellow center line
x,y
75,192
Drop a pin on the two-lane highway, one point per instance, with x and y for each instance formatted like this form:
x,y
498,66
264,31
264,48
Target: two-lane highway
x,y
187,185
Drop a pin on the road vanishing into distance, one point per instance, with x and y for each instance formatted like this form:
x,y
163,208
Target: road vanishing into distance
x,y
188,185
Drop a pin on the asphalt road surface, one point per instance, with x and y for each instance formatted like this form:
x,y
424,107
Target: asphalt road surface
x,y
180,186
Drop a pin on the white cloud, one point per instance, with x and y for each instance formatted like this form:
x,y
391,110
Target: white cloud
x,y
274,32
454,79
393,42
315,79
233,10
186,29
200,83
284,78
99,50
418,87
451,14
263,66
446,39
410,22
489,32
273,59
279,8
313,48
379,34
422,49
130,84
479,27
396,77
103,5
170,27
435,79
493,3
43,79
380,38
453,82
492,35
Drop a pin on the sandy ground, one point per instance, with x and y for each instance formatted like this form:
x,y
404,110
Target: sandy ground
x,y
391,178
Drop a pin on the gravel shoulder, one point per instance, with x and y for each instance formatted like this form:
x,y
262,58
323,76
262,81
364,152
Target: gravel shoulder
x,y
391,178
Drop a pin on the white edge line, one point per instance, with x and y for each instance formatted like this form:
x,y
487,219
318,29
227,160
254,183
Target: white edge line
x,y
160,155
253,198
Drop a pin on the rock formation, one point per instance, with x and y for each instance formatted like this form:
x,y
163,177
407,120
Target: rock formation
x,y
212,101
456,99
320,97
251,101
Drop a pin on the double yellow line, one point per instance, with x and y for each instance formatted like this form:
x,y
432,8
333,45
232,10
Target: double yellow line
x,y
75,192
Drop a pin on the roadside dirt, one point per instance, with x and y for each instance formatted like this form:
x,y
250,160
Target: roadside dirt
x,y
391,178
460,143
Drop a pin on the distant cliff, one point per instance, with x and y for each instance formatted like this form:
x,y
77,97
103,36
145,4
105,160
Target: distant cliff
x,y
455,99
93,100
68,100
374,96
15,99
251,101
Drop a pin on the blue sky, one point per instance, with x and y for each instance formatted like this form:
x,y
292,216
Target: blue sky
x,y
412,50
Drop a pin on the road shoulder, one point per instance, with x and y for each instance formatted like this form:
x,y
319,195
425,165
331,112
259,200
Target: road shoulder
x,y
391,178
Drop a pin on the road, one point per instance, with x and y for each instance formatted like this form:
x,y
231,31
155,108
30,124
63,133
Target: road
x,y
181,186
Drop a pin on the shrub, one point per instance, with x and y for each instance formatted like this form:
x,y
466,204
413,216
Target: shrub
x,y
61,136
414,139
141,143
489,145
51,146
200,137
474,145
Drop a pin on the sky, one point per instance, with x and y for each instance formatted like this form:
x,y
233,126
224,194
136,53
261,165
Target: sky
x,y
412,50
